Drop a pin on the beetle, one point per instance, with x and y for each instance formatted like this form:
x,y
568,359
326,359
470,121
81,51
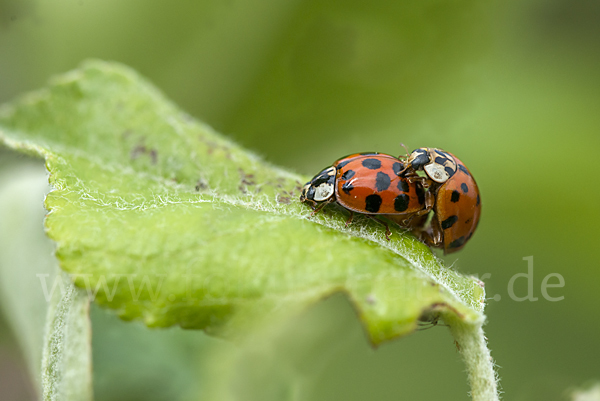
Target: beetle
x,y
373,184
457,207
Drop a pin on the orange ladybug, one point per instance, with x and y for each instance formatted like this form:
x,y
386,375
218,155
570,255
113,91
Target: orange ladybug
x,y
374,184
457,207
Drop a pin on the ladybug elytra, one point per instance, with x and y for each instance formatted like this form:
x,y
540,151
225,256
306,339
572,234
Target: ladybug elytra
x,y
373,184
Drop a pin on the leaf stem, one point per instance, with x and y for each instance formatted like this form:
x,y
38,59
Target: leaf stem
x,y
66,360
472,345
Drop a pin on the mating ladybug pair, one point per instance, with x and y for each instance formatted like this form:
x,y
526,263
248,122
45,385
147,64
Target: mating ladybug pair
x,y
380,185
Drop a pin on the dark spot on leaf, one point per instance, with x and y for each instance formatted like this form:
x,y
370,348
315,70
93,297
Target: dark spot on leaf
x,y
153,156
141,150
245,179
137,151
284,199
201,185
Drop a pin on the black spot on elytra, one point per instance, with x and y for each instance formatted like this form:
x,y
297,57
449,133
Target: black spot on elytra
x,y
420,194
348,174
463,169
403,186
373,203
401,202
464,187
397,167
347,187
341,165
449,222
455,196
478,200
372,164
382,182
457,243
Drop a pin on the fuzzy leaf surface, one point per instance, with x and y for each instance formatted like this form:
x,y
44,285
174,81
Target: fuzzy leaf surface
x,y
164,220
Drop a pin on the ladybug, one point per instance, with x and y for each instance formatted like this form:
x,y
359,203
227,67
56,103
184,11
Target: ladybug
x,y
457,205
373,184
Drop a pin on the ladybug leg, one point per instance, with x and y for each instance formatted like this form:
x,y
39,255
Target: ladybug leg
x,y
428,205
388,233
317,209
416,221
429,201
427,238
426,183
350,218
434,236
411,175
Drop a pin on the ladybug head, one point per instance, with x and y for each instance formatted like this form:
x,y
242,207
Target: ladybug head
x,y
437,164
418,158
320,188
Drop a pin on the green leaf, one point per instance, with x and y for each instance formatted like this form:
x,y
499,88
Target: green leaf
x,y
163,220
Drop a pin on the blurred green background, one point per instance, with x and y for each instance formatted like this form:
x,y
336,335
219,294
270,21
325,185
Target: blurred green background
x,y
511,87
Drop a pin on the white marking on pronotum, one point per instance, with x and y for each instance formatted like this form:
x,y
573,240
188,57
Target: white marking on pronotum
x,y
436,172
323,192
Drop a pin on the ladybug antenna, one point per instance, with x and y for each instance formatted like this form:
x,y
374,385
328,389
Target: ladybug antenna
x,y
406,159
406,149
